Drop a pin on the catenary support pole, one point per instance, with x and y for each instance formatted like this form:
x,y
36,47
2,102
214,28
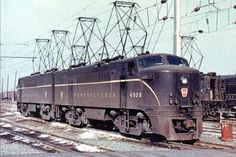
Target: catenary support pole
x,y
177,28
14,94
2,87
7,86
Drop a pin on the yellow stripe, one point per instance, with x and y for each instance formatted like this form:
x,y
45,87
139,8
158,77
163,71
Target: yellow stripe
x,y
102,82
93,83
151,91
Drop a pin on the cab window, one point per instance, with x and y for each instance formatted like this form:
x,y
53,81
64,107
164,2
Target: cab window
x,y
150,61
177,61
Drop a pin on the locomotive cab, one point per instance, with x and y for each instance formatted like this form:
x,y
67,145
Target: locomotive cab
x,y
176,86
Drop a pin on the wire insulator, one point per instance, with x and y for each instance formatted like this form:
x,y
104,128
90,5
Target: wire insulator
x,y
135,18
164,18
207,21
200,31
163,1
197,9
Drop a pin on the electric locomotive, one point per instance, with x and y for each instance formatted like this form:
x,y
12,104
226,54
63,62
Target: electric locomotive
x,y
147,94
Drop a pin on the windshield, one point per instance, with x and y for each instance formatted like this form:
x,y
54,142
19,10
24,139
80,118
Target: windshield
x,y
177,61
150,61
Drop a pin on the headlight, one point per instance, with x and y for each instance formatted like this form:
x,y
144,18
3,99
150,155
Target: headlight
x,y
184,80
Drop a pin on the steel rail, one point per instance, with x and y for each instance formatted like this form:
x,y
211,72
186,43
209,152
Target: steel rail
x,y
14,124
48,144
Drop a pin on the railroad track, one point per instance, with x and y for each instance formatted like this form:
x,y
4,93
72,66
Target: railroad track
x,y
145,141
214,145
184,146
52,142
48,146
176,145
171,145
197,145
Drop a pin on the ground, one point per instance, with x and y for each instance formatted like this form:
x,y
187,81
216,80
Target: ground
x,y
83,139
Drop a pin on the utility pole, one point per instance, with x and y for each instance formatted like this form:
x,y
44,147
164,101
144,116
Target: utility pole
x,y
7,85
16,57
2,87
177,29
1,67
14,94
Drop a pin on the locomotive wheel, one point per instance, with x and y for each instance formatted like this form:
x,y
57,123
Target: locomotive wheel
x,y
136,128
71,118
24,110
45,112
84,120
76,119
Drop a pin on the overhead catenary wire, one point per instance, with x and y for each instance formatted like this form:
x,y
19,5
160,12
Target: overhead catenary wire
x,y
155,23
31,41
103,12
168,11
163,21
209,13
114,48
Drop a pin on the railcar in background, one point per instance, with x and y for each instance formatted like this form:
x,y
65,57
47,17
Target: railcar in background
x,y
218,95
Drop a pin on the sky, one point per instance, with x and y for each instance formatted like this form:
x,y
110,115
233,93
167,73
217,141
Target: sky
x,y
22,21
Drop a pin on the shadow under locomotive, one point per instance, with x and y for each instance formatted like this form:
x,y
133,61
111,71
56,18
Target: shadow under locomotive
x,y
147,94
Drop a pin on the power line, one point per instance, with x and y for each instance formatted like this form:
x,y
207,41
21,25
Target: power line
x,y
143,10
109,9
60,23
65,20
18,57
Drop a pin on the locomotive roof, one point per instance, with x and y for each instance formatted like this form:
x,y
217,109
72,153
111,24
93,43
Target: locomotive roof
x,y
118,60
169,67
143,56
